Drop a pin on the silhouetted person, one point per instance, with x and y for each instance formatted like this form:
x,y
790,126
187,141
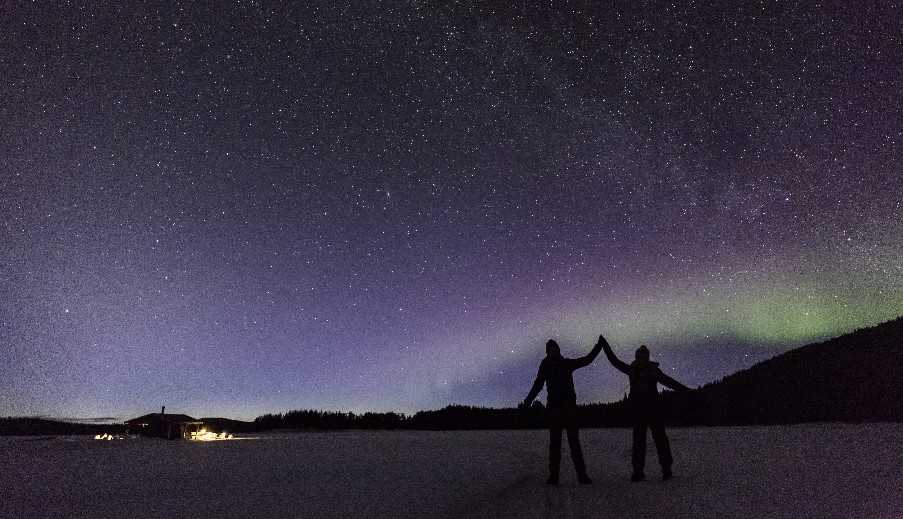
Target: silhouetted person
x,y
646,408
556,373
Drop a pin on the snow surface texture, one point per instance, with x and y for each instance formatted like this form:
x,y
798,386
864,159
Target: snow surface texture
x,y
788,471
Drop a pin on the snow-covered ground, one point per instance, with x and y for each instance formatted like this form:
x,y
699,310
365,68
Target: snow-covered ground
x,y
795,471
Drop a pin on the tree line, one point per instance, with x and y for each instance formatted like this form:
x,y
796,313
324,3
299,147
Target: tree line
x,y
453,417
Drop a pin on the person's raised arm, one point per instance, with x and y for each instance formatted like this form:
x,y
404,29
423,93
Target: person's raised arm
x,y
588,359
669,382
537,385
615,361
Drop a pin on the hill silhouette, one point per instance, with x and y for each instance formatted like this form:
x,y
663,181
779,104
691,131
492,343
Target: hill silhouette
x,y
32,426
857,377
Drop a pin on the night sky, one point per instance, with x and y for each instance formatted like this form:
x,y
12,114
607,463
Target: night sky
x,y
254,209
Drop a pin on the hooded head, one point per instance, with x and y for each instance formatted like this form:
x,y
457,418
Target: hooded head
x,y
642,354
552,349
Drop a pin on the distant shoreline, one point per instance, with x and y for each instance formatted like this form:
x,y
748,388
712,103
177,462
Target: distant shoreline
x,y
810,384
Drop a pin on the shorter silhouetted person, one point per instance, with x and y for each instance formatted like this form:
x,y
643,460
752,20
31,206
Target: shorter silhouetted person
x,y
556,373
646,409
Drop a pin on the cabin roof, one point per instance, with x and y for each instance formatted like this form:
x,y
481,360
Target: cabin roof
x,y
159,417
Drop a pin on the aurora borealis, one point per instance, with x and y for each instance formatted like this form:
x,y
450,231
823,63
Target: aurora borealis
x,y
260,208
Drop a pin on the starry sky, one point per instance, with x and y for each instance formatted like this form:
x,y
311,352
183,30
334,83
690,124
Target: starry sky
x,y
254,208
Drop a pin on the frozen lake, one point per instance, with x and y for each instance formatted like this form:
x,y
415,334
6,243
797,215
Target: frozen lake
x,y
789,471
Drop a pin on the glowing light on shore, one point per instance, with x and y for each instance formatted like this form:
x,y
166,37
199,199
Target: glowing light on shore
x,y
206,436
106,436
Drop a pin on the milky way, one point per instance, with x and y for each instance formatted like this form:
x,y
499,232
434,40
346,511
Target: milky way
x,y
239,211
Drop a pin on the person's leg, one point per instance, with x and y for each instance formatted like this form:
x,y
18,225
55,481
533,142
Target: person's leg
x,y
639,448
662,446
577,453
554,452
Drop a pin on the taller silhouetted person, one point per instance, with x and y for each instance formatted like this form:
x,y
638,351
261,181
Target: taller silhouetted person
x,y
556,373
646,408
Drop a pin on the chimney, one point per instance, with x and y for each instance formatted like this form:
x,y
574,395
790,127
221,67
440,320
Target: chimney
x,y
163,411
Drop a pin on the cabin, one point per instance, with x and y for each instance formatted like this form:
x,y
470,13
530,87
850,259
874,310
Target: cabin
x,y
162,425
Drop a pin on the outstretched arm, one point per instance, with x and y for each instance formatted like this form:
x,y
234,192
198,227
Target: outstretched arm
x,y
615,361
588,359
537,385
669,382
